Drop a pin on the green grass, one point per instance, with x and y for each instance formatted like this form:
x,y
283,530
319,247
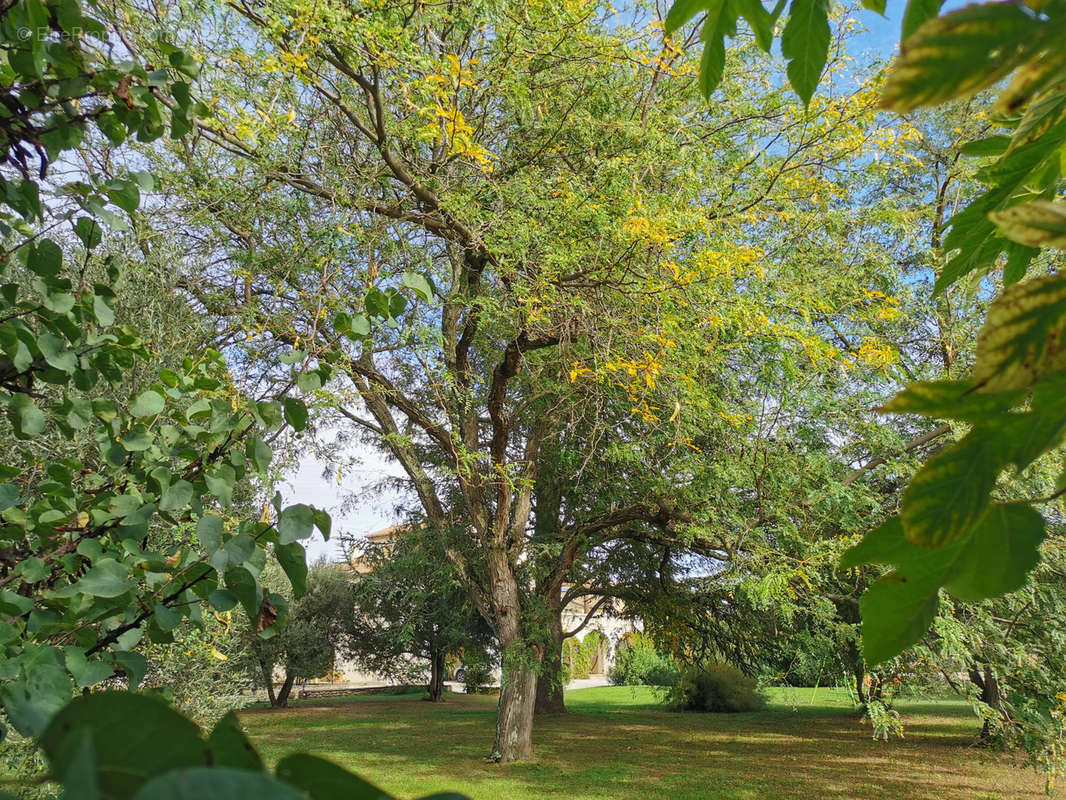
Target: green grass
x,y
618,742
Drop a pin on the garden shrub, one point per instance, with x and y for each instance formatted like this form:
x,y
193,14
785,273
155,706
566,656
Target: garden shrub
x,y
715,686
638,663
477,672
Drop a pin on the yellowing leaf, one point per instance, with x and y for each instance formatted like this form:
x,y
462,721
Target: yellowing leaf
x,y
1036,224
1022,339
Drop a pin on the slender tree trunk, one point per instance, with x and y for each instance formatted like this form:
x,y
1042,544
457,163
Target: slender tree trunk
x,y
550,680
860,679
436,676
991,695
268,681
286,690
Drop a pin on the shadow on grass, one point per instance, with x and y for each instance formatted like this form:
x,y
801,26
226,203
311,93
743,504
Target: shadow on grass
x,y
629,748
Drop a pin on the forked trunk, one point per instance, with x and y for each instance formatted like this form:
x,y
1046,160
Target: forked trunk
x,y
514,721
268,681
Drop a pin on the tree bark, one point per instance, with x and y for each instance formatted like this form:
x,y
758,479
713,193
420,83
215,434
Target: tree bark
x,y
514,720
268,681
286,690
549,698
436,676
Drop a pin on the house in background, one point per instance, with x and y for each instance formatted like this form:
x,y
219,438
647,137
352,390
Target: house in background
x,y
596,617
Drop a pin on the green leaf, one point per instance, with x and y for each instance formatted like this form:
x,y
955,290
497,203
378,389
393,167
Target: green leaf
x,y
322,522
32,569
31,704
951,400
761,22
147,404
133,664
917,13
86,673
106,578
950,492
875,5
1024,336
216,783
229,746
259,452
360,326
682,11
222,599
27,420
127,755
323,780
244,586
1035,224
9,496
209,532
419,284
177,496
293,560
1002,552
805,43
220,483
989,146
712,62
57,353
294,523
295,412
376,303
959,54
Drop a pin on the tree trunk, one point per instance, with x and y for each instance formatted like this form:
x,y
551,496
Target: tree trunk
x,y
286,690
268,681
514,720
550,680
991,695
860,680
436,676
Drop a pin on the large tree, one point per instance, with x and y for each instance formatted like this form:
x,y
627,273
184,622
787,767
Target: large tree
x,y
588,265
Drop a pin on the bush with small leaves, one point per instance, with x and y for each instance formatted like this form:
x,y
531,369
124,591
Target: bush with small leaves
x,y
715,686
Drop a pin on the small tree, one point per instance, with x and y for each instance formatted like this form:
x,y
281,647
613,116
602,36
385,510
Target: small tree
x,y
410,608
305,646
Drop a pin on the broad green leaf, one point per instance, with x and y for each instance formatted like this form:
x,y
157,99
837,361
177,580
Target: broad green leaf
x,y
376,303
295,412
805,43
294,523
259,452
209,532
106,578
31,704
57,352
229,746
9,496
916,14
322,522
216,783
418,283
133,664
683,11
951,490
1035,224
897,610
1022,339
951,400
360,325
761,22
127,755
293,560
999,556
86,673
247,590
875,5
323,780
712,62
220,482
958,54
177,496
989,146
147,404
32,569
27,420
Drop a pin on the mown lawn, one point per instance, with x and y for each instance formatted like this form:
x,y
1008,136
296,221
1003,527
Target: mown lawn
x,y
618,743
